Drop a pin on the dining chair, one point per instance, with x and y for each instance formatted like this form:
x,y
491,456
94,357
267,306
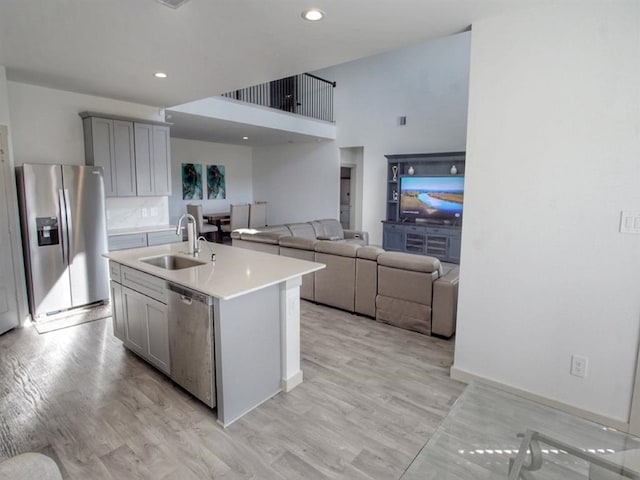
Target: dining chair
x,y
238,218
204,229
258,215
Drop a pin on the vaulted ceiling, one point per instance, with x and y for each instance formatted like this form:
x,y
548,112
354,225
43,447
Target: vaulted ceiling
x,y
112,48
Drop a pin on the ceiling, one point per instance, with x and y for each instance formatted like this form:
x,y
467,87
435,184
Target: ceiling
x,y
111,48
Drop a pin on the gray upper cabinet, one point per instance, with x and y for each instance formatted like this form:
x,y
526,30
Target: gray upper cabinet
x,y
135,155
109,144
124,158
153,159
144,159
161,160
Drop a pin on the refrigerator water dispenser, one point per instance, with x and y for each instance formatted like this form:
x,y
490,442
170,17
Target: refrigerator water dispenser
x,y
47,228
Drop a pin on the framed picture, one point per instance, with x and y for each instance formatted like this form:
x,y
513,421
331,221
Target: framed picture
x,y
216,186
191,181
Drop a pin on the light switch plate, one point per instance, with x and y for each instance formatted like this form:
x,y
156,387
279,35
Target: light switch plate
x,y
629,222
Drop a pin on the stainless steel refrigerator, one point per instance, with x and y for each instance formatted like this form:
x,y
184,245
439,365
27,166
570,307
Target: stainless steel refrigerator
x,y
62,213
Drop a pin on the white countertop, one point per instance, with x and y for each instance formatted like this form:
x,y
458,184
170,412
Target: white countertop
x,y
236,271
130,230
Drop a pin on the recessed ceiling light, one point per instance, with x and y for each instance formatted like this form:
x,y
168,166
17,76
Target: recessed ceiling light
x,y
160,75
245,138
313,14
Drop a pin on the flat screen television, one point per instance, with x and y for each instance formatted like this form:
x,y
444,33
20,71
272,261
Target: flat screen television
x,y
432,198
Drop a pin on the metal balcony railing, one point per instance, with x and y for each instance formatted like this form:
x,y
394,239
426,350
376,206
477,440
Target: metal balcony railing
x,y
303,94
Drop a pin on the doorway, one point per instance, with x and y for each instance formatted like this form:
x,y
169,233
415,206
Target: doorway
x,y
345,197
351,187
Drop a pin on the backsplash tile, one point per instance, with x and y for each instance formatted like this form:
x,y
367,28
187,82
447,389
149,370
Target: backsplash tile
x,y
128,212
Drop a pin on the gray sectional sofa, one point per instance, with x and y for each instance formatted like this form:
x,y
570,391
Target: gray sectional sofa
x,y
414,292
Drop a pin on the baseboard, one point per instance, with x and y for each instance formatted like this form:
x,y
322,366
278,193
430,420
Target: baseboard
x,y
292,382
466,377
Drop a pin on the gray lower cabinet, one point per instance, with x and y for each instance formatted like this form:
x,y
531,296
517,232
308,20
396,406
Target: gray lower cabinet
x,y
147,328
117,315
140,316
393,238
162,238
158,331
123,242
442,242
137,240
135,320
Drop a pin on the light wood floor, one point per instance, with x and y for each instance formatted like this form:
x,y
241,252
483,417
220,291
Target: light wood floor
x,y
372,395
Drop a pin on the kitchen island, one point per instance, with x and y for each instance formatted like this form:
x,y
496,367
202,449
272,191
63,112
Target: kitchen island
x,y
254,318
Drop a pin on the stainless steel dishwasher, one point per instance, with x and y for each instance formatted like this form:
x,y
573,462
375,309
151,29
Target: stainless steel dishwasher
x,y
191,342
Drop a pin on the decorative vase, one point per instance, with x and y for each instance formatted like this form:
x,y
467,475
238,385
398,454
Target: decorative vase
x,y
453,170
411,171
394,169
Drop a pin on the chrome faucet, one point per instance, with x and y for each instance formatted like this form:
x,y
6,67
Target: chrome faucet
x,y
194,240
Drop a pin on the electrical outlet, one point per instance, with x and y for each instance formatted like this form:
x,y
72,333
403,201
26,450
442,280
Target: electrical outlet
x,y
579,365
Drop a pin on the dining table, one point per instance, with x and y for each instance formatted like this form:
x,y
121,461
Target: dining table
x,y
217,219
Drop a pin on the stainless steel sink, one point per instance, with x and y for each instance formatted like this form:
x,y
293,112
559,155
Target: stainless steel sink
x,y
172,262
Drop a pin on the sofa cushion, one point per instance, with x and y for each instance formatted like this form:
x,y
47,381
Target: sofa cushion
x,y
299,243
404,284
304,230
307,289
370,253
403,314
237,233
366,282
272,248
445,303
337,248
335,284
275,229
357,235
262,237
329,228
409,261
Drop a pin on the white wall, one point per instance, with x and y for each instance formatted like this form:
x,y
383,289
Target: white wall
x,y
301,182
15,249
427,83
237,161
553,156
46,127
4,97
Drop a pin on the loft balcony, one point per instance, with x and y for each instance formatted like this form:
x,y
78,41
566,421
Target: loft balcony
x,y
305,94
296,109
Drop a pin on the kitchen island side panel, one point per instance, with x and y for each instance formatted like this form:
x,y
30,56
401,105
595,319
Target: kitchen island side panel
x,y
247,351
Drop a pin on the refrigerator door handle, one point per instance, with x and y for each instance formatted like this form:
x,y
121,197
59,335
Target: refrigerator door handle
x,y
62,208
67,213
